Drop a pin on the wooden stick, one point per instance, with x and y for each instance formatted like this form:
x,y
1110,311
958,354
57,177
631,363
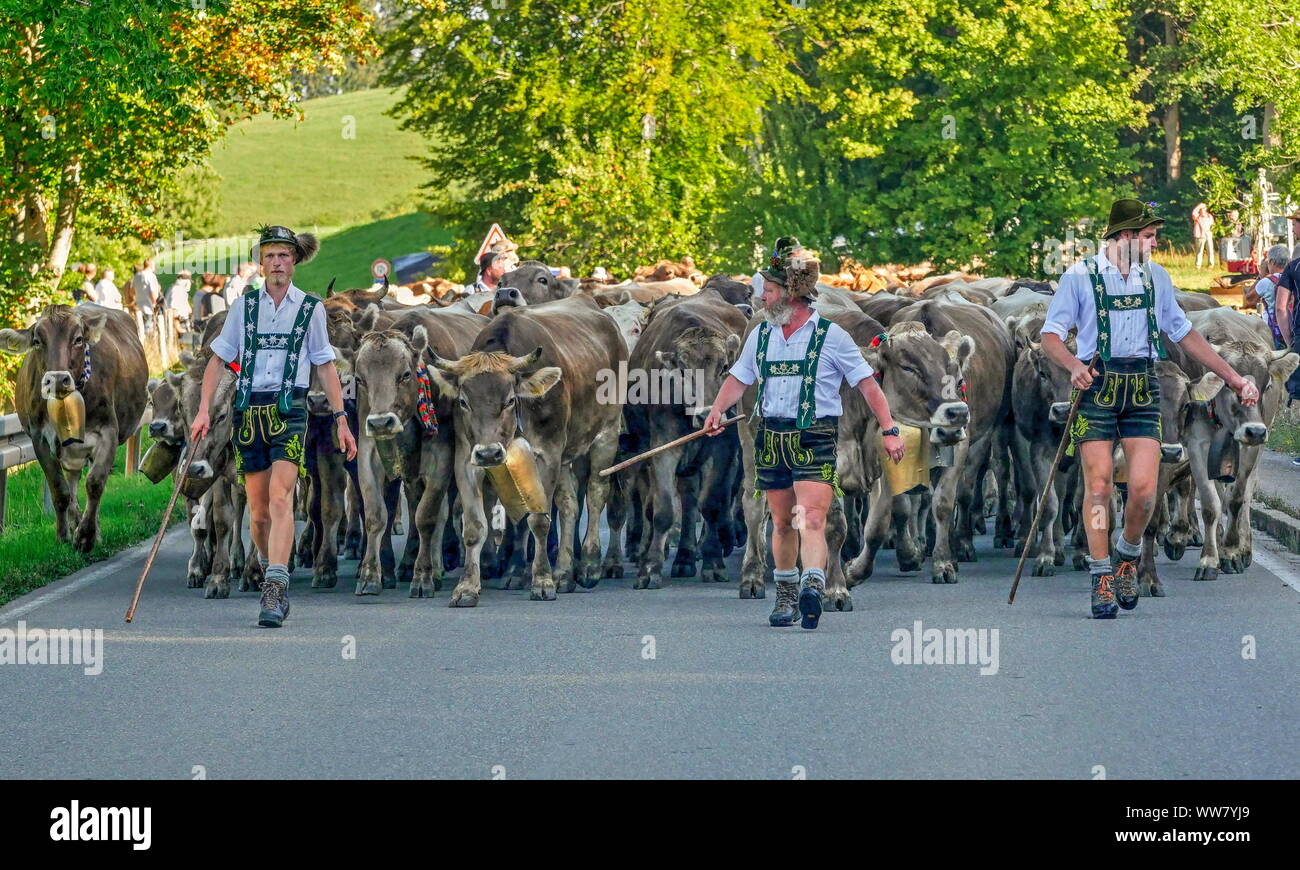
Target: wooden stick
x,y
162,530
662,447
1051,477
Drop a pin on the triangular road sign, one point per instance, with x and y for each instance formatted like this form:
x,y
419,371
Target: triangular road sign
x,y
494,235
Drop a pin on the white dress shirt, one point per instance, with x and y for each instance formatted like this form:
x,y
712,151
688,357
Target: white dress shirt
x,y
1074,306
840,360
270,319
108,294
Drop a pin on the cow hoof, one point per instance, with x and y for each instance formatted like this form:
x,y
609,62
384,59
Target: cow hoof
x,y
194,581
367,587
1231,565
907,565
1004,542
423,587
965,551
837,599
84,540
351,551
1196,540
1174,551
979,527
389,580
753,589
542,593
1080,562
463,598
216,587
405,572
324,578
610,570
516,580
566,586
714,574
943,572
1157,589
654,581
1043,567
1058,558
1206,572
683,568
1247,557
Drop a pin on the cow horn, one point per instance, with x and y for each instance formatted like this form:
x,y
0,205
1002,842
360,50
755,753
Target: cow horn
x,y
441,364
385,282
520,363
330,289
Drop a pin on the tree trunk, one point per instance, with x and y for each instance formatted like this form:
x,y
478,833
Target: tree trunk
x,y
1272,138
64,221
1173,143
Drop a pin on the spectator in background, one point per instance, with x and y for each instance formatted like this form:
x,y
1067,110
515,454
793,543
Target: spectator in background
x,y
256,276
491,266
239,282
210,301
178,302
1288,319
1203,232
88,284
1295,233
106,292
1274,262
147,292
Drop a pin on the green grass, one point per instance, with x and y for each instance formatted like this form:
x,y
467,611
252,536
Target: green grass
x,y
308,176
1182,270
348,253
31,555
1284,437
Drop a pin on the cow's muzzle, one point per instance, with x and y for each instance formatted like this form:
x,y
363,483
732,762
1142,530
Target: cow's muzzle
x,y
1059,413
200,470
946,436
381,426
1172,453
508,297
951,414
318,404
160,429
1251,434
488,454
56,385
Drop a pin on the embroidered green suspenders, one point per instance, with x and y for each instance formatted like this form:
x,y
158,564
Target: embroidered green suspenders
x,y
805,368
1106,303
254,341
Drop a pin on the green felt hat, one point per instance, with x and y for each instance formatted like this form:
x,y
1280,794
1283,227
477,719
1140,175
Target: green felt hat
x,y
1131,214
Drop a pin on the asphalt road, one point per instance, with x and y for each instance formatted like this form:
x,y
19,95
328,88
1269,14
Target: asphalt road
x,y
520,688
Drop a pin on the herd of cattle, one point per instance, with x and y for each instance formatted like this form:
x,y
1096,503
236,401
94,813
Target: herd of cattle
x,y
959,358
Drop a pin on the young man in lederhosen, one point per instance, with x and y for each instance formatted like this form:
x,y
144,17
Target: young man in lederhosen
x,y
1120,302
799,360
266,338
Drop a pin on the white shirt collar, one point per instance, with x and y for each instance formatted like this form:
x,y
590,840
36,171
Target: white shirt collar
x,y
1104,264
294,296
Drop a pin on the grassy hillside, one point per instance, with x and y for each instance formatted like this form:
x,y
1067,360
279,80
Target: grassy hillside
x,y
308,175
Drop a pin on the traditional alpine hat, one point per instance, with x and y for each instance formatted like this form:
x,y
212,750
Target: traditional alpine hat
x,y
305,245
793,267
1131,214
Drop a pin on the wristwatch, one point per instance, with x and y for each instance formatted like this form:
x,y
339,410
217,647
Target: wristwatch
x,y
338,414
892,430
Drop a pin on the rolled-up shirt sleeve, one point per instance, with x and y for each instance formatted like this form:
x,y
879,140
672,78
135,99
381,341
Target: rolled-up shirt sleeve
x,y
228,343
846,356
1063,311
319,351
745,368
1169,314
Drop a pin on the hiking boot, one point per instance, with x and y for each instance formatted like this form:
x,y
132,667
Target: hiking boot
x,y
786,610
810,600
1126,588
275,603
1103,597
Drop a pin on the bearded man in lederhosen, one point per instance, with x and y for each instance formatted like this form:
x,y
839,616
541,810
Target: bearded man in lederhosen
x,y
271,339
1124,307
799,360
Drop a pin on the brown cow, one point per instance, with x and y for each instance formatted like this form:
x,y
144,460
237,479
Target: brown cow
x,y
94,352
536,371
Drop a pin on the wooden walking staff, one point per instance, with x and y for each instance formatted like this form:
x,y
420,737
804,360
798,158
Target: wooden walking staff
x,y
677,442
1051,478
162,530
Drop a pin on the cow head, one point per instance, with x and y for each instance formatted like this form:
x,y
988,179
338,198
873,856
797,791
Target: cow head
x,y
387,380
209,454
59,339
630,317
922,377
1175,404
168,423
536,284
699,359
1050,381
486,386
1268,369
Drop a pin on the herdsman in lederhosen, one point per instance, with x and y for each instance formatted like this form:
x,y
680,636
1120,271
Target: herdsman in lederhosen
x,y
1120,302
799,360
271,339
